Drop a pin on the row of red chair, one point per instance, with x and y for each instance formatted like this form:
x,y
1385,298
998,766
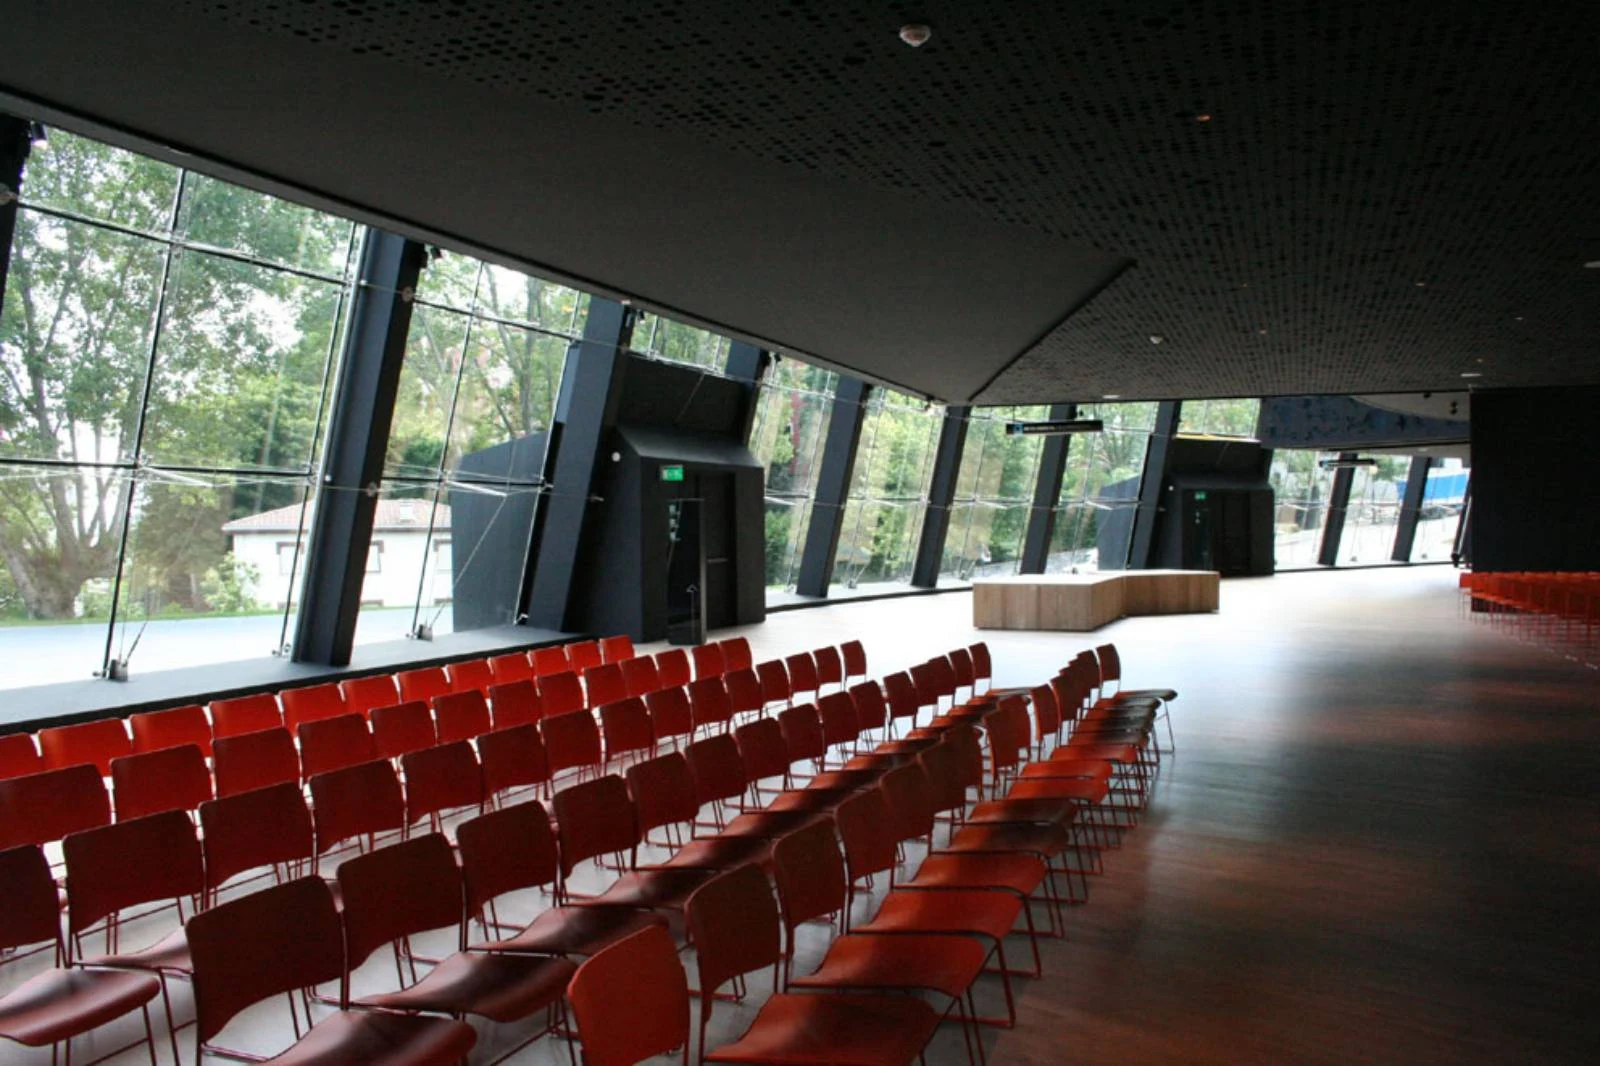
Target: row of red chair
x,y
1560,609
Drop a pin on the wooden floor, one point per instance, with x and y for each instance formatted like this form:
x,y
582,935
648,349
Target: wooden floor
x,y
1378,842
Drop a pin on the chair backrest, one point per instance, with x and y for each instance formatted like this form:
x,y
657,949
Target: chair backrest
x,y
550,660
670,713
925,684
514,703
707,660
839,722
774,678
239,833
168,779
947,791
571,741
672,668
906,790
616,649
584,654
802,732
404,727
95,743
663,792
594,818
512,758
865,828
802,672
512,666
44,807
830,668
855,658
171,728
122,865
872,710
809,871
631,1000
356,801
312,702
744,691
902,695
640,676
943,676
470,674
708,701
277,940
982,666
423,683
626,727
334,743
362,694
19,756
604,684
32,914
1110,663
506,850
396,891
254,760
245,714
1046,712
461,716
441,778
560,694
961,663
1008,733
733,924
762,748
736,653
717,768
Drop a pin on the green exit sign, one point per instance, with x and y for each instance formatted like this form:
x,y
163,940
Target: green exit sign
x,y
1200,496
672,473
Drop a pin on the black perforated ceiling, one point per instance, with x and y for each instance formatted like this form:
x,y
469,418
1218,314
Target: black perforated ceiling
x,y
1320,197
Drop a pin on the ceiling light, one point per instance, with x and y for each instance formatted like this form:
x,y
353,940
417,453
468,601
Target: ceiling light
x,y
1262,332
1202,117
1112,396
1593,264
1472,373
1422,284
916,34
1156,338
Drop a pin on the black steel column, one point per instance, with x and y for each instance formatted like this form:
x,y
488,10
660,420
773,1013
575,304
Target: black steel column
x,y
1338,503
358,438
748,364
1047,493
941,491
1405,530
586,412
1148,515
833,486
15,143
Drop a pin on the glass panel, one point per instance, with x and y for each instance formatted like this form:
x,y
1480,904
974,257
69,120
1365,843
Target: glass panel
x,y
1441,511
787,439
449,279
1219,418
504,403
75,340
98,181
509,294
1300,487
1100,489
1374,513
680,343
59,532
276,231
239,376
785,526
402,536
427,389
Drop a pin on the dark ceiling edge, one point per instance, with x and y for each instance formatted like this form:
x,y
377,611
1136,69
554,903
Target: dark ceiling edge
x,y
1087,299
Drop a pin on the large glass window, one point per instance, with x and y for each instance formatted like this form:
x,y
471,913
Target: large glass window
x,y
1440,516
1300,488
1373,517
790,427
1219,418
678,342
888,490
166,346
1100,490
994,491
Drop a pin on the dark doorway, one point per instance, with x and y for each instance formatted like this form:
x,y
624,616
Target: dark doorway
x,y
716,511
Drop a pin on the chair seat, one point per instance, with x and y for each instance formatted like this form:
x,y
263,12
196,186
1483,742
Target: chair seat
x,y
1080,789
380,1040
1021,874
1092,748
767,824
657,887
503,988
978,913
170,953
1043,811
809,799
844,1030
1067,767
1162,694
59,1004
847,779
582,930
1015,836
722,852
945,964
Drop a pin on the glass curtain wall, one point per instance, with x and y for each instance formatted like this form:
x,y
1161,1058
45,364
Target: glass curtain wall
x,y
787,436
1300,488
677,342
1373,517
994,491
1440,515
483,365
888,491
1100,490
167,345
1219,418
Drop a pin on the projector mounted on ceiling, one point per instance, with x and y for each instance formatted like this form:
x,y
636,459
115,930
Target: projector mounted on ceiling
x,y
1056,428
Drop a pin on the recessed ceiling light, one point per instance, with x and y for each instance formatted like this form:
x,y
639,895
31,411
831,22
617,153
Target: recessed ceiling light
x,y
1593,264
1262,332
1156,338
916,34
1422,284
1202,117
1472,374
1112,396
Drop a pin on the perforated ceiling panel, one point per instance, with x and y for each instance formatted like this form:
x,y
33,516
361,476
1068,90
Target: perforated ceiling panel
x,y
1319,197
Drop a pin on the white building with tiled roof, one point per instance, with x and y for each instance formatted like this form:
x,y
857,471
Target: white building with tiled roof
x,y
401,547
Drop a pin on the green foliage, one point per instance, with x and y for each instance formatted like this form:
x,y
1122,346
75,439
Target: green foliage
x,y
226,586
777,545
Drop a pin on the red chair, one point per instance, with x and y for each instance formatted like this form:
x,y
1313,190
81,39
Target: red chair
x,y
744,692
982,667
440,779
672,668
961,663
774,678
572,742
268,827
830,668
333,743
512,758
514,703
631,1001
95,743
512,666
583,655
551,660
593,819
604,684
707,660
625,726
872,710
618,649
802,734
840,724
764,752
18,756
904,702
312,703
358,801
290,938
640,675
52,1007
44,807
171,728
471,675
663,797
560,694
461,716
736,654
708,702
362,694
254,760
855,659
423,683
802,674
670,713
403,728
169,779
245,714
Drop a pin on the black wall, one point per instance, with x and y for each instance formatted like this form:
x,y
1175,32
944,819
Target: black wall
x,y
1221,467
489,534
1535,496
